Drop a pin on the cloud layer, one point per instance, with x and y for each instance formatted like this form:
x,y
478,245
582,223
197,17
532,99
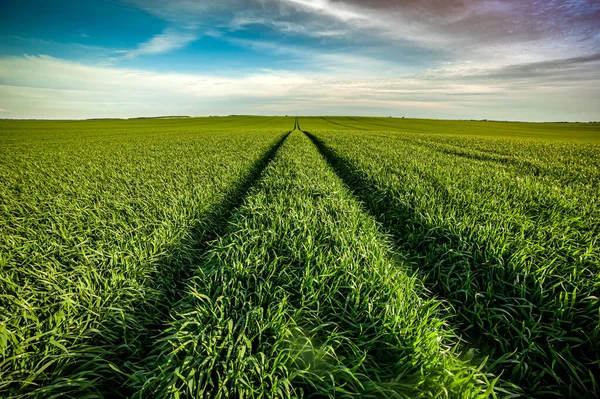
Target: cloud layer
x,y
71,90
501,59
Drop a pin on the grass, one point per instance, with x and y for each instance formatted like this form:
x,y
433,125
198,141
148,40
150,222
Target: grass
x,y
505,230
450,129
98,225
372,257
304,297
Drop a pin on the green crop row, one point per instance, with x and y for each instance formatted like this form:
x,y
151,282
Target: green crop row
x,y
304,297
498,232
100,224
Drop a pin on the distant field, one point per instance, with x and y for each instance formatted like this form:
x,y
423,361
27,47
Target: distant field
x,y
575,132
281,257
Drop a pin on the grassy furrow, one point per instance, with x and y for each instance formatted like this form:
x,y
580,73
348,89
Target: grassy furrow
x,y
98,231
304,297
517,258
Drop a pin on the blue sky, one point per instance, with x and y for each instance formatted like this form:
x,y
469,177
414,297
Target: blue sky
x,y
497,59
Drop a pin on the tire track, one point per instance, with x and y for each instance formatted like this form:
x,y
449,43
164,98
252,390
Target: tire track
x,y
212,226
478,320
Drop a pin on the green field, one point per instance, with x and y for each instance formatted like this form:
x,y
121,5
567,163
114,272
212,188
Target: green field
x,y
281,257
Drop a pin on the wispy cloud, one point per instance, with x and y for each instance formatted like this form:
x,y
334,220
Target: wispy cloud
x,y
167,41
493,32
52,43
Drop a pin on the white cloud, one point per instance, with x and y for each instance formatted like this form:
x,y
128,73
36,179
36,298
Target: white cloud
x,y
299,29
164,42
340,11
46,87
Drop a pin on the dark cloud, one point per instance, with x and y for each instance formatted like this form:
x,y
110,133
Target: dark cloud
x,y
569,69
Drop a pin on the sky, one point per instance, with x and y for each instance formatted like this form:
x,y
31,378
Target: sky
x,y
531,60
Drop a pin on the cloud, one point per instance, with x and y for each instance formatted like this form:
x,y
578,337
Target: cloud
x,y
164,42
30,41
467,24
46,87
455,58
494,33
567,69
4,110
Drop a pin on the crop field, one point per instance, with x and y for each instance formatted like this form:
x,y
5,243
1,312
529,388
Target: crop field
x,y
282,257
